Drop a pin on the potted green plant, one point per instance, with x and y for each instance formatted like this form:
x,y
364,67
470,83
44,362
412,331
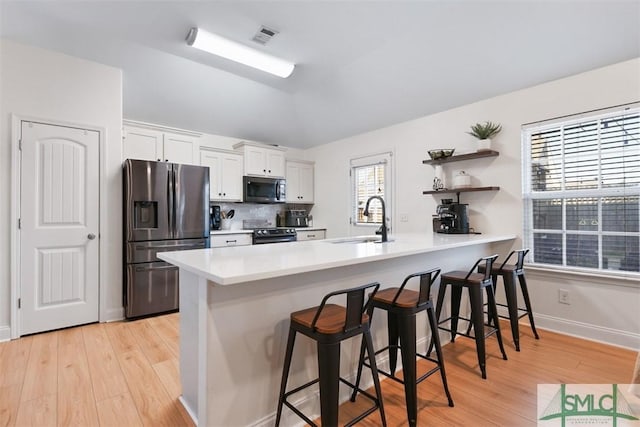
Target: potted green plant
x,y
483,132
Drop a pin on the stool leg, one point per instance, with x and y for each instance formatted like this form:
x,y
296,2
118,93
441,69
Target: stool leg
x,y
441,292
363,346
494,279
492,302
374,373
435,339
285,373
527,302
329,376
408,346
456,297
392,330
512,305
477,317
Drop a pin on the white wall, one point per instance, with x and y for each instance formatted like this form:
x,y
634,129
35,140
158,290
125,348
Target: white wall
x,y
51,86
493,211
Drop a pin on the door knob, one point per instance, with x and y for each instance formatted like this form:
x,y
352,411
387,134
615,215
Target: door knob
x,y
91,236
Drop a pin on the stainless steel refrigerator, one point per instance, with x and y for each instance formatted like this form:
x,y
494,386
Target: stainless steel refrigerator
x,y
166,208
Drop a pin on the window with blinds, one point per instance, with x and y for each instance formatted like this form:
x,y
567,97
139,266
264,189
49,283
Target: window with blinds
x,y
582,191
369,176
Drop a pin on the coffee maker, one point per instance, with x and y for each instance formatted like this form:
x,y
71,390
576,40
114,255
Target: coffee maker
x,y
451,218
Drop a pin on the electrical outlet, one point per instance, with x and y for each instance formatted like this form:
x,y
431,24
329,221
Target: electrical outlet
x,y
563,296
404,217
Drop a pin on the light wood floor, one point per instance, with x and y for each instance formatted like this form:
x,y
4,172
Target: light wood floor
x,y
126,374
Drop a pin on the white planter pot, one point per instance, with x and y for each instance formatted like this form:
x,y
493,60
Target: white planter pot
x,y
484,144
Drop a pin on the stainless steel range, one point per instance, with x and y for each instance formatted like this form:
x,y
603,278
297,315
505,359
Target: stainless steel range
x,y
274,235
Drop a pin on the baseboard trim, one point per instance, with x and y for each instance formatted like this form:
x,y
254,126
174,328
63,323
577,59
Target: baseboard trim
x,y
588,331
188,409
113,315
5,333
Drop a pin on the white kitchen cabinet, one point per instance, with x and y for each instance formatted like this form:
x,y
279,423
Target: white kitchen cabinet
x,y
155,145
225,174
261,160
303,235
224,240
299,181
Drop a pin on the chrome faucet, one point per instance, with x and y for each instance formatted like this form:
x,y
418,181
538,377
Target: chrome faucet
x,y
383,229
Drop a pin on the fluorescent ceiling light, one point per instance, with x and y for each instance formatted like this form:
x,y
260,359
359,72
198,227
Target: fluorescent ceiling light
x,y
220,46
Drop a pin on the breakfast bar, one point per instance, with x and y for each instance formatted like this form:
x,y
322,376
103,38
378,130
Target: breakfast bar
x,y
235,305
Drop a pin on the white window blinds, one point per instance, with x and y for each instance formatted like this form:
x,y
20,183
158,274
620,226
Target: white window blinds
x,y
369,176
582,190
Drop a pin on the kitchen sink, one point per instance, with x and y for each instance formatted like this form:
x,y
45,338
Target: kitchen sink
x,y
359,239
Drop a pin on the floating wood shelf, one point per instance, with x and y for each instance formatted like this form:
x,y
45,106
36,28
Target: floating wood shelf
x,y
457,191
461,190
468,156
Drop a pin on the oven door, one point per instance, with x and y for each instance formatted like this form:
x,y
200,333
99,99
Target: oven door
x,y
273,239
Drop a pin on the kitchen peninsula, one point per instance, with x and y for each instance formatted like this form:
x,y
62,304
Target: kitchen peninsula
x,y
235,305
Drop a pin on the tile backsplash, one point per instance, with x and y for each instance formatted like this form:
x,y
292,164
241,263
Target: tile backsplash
x,y
256,211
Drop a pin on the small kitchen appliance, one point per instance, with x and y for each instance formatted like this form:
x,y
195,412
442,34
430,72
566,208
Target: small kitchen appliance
x,y
296,218
263,190
214,217
451,218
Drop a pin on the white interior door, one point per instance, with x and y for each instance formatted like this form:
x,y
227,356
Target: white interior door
x,y
59,201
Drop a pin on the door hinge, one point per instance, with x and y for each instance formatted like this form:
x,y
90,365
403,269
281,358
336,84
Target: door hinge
x,y
19,223
19,302
20,144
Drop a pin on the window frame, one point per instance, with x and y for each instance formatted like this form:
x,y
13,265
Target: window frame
x,y
383,158
529,195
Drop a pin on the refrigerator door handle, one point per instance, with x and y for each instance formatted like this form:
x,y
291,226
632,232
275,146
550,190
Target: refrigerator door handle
x,y
169,246
166,267
170,202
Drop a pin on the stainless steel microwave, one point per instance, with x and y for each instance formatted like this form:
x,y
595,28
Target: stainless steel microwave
x,y
263,190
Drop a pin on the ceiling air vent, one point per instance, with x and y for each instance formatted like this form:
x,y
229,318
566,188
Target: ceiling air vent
x,y
263,35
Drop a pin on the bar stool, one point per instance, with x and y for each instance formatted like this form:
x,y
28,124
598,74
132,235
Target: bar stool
x,y
328,325
474,282
402,305
509,272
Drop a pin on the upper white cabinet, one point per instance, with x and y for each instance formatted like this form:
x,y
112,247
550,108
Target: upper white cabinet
x,y
225,174
156,145
299,181
260,160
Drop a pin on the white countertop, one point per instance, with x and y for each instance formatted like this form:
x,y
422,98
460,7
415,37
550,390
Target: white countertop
x,y
231,265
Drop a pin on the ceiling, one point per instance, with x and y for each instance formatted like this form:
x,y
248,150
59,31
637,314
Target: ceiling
x,y
361,65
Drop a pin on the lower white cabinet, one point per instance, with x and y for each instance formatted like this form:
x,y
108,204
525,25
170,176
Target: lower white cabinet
x,y
311,235
224,240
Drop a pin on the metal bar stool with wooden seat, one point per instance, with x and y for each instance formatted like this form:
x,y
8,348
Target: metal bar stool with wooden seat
x,y
328,325
402,306
474,282
509,272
